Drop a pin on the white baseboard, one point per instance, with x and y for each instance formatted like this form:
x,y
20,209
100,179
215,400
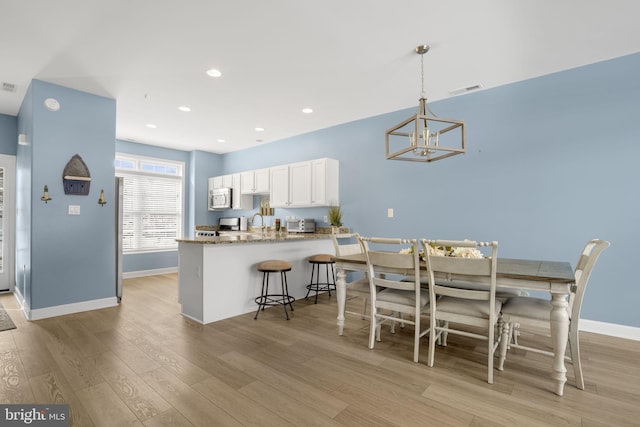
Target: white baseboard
x,y
154,272
19,298
611,329
61,310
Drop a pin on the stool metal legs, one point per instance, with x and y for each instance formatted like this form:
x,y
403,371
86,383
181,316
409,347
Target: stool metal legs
x,y
267,299
318,287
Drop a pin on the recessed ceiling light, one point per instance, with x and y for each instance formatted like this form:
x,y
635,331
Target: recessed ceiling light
x,y
222,140
258,140
260,129
151,126
184,108
307,110
212,72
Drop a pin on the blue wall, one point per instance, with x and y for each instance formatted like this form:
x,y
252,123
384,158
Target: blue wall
x,y
550,165
8,134
70,257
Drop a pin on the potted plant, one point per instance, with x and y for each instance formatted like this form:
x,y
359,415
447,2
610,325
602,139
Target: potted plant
x,y
335,218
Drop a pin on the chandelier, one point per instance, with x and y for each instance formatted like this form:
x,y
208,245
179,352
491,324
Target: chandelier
x,y
422,137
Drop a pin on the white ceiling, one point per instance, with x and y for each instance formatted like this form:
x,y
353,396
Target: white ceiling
x,y
347,59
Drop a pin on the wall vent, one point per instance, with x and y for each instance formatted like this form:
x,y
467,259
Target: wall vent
x,y
8,87
466,89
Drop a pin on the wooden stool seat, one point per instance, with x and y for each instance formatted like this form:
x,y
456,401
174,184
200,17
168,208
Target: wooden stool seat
x,y
321,259
274,266
316,261
266,299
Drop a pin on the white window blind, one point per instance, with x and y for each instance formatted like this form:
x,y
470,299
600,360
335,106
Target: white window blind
x,y
152,203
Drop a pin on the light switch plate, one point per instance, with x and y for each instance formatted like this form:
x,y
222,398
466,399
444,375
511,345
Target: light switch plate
x,y
74,209
390,213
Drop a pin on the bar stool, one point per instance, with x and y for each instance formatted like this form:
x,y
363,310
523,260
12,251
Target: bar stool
x,y
316,262
266,299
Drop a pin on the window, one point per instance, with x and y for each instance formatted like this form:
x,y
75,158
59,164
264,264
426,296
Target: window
x,y
152,203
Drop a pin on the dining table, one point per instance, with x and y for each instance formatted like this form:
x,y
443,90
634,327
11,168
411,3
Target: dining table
x,y
554,277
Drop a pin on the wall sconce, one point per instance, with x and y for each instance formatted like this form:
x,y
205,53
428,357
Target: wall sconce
x,y
45,195
101,200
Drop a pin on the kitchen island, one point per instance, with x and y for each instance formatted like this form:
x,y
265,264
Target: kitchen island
x,y
218,279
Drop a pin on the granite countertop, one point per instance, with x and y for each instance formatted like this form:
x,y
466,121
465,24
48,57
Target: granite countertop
x,y
255,237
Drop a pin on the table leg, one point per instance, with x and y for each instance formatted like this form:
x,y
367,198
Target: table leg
x,y
341,291
559,337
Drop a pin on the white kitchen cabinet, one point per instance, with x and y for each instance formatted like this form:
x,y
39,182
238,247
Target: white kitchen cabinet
x,y
239,200
300,185
279,192
255,181
233,181
325,179
305,184
222,181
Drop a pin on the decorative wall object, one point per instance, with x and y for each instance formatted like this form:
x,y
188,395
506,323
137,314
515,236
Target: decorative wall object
x,y
45,194
76,177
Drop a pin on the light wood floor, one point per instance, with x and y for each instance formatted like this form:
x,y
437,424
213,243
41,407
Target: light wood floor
x,y
142,363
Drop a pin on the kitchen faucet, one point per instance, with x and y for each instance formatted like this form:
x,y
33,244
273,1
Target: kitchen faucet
x,y
261,220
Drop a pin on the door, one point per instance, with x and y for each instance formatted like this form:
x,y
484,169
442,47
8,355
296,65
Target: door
x,y
7,216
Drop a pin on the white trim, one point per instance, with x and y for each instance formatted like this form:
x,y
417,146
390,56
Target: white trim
x,y
9,163
193,319
61,310
19,299
611,329
155,272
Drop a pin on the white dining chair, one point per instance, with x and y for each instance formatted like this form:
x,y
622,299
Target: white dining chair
x,y
348,244
453,308
534,314
390,294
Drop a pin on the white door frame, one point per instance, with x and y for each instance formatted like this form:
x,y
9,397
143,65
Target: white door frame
x,y
7,278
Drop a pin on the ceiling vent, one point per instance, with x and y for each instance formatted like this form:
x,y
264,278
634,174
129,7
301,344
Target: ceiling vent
x,y
8,87
466,89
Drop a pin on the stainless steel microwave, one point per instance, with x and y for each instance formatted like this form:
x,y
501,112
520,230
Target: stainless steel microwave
x,y
220,198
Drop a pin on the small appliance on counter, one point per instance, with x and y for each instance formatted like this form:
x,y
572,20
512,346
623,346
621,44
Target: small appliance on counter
x,y
301,225
229,224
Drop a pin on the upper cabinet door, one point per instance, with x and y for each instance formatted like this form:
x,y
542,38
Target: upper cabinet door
x,y
261,181
279,194
215,182
246,182
300,184
239,200
324,182
255,181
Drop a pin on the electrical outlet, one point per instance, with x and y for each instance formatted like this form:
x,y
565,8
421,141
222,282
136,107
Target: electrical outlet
x,y
74,209
390,213
326,219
